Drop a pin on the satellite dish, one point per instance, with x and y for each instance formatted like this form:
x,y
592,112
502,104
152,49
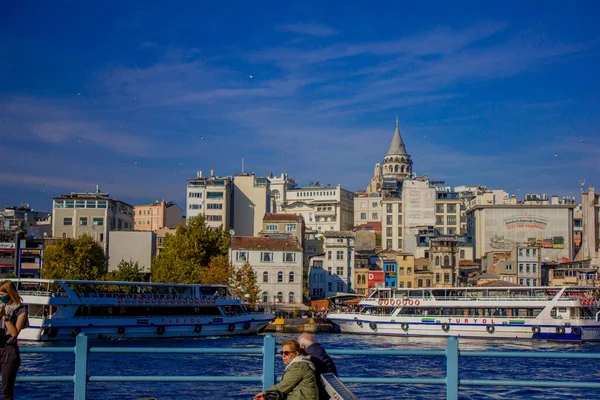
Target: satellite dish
x,y
231,232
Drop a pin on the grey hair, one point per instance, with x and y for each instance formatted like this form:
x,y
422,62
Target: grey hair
x,y
306,339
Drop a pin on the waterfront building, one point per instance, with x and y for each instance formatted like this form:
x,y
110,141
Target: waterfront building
x,y
364,253
573,273
8,252
157,215
90,213
277,263
408,275
212,197
445,263
251,201
590,242
529,261
132,246
317,276
390,267
493,227
338,262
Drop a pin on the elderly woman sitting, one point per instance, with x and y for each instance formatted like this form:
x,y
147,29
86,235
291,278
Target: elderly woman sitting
x,y
298,381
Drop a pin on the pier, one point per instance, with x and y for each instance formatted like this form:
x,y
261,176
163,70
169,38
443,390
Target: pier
x,y
82,379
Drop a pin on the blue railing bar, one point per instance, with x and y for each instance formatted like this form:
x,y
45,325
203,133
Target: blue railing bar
x,y
47,349
268,377
81,367
45,378
527,354
414,381
540,384
171,350
452,380
173,378
347,352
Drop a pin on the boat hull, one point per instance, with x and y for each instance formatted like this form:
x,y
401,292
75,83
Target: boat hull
x,y
490,329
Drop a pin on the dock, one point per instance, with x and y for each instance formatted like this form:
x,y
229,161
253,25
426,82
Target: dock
x,y
301,325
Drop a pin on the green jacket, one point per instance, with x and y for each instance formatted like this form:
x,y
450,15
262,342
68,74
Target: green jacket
x,y
298,381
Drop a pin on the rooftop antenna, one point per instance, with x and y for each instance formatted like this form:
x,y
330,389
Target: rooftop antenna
x,y
242,165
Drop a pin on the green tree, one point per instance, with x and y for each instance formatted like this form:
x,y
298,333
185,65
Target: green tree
x,y
219,271
244,284
127,271
74,258
187,254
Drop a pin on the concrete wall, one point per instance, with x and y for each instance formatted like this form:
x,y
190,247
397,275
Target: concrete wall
x,y
133,246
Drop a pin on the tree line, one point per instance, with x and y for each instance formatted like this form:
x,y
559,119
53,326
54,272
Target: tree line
x,y
196,253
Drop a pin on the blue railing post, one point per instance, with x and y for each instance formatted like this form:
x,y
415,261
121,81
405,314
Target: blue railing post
x,y
268,378
452,368
81,363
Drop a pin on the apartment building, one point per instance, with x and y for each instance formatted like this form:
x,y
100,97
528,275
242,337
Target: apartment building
x,y
368,208
277,263
212,197
529,261
90,213
252,200
157,215
338,262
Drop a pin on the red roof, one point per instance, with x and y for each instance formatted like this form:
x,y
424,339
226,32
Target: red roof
x,y
283,217
252,242
375,226
468,263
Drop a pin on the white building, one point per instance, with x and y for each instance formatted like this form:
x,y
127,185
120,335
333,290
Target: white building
x,y
324,208
338,248
590,241
529,270
134,246
211,197
277,263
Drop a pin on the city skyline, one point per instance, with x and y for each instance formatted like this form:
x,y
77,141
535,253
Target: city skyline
x,y
137,97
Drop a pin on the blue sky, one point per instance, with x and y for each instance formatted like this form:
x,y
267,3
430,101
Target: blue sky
x,y
137,96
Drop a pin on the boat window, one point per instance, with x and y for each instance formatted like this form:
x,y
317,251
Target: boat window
x,y
103,311
35,310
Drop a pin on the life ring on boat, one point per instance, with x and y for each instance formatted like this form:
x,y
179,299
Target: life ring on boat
x,y
247,326
160,300
147,300
154,300
411,302
386,302
121,330
160,330
536,330
373,325
52,332
359,323
231,327
490,329
198,328
404,301
404,327
214,301
197,300
560,330
75,332
445,327
380,302
576,331
417,302
179,300
201,300
119,300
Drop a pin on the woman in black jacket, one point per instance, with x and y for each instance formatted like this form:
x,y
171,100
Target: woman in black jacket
x,y
14,319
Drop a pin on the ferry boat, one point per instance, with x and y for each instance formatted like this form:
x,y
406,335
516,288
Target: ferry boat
x,y
544,313
61,309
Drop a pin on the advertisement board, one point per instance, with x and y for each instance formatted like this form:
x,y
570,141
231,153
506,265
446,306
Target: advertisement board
x,y
376,278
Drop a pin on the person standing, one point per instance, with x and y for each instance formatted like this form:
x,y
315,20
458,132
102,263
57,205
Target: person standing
x,y
14,319
319,357
298,381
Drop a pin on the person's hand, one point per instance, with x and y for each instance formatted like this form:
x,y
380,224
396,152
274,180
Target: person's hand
x,y
259,396
2,311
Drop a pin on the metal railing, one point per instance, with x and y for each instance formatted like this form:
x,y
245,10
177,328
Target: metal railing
x,y
81,377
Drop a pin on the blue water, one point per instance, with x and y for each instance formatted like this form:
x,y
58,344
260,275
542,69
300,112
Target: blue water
x,y
364,366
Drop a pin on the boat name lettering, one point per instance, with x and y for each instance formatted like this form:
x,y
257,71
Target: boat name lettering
x,y
471,320
175,321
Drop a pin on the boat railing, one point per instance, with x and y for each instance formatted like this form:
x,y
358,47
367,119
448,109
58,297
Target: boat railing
x,y
451,377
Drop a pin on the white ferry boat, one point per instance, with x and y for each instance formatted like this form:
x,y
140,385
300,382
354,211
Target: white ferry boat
x,y
61,309
544,313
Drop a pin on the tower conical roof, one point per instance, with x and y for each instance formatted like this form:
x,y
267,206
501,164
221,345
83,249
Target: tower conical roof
x,y
397,146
